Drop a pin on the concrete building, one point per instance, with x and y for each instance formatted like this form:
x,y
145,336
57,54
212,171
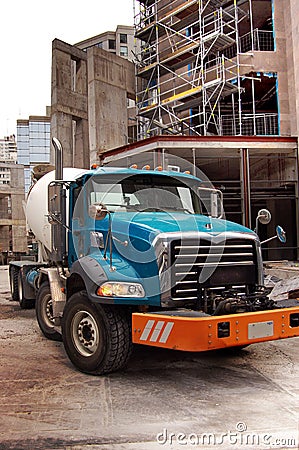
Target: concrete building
x,y
90,92
121,42
12,218
33,144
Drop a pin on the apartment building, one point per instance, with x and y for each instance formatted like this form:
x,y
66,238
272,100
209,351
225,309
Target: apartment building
x,y
120,42
33,144
8,155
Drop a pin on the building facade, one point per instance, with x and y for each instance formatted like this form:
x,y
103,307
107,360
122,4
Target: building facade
x,y
120,42
33,144
12,218
8,155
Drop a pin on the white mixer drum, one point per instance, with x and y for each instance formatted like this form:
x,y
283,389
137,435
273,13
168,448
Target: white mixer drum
x,y
37,204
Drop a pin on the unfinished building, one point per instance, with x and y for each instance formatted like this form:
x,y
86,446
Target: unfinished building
x,y
212,67
218,79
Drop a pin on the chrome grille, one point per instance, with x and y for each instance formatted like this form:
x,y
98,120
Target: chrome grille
x,y
200,264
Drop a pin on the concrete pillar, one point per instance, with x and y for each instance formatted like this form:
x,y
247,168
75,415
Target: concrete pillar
x,y
245,187
69,104
110,83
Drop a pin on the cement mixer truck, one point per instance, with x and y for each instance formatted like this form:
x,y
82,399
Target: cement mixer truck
x,y
142,256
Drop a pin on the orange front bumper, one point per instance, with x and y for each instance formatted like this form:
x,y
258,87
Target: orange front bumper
x,y
197,334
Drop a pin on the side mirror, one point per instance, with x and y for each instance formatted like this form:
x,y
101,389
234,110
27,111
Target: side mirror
x,y
97,211
264,216
212,200
281,234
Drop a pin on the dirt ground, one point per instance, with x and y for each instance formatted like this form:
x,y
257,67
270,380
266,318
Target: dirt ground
x,y
164,399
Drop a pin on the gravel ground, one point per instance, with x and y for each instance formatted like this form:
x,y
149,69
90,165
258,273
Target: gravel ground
x,y
164,399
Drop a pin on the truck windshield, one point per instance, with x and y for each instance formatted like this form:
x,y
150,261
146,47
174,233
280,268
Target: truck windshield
x,y
140,193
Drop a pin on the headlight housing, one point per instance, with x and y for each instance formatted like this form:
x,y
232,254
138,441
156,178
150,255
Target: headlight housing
x,y
120,289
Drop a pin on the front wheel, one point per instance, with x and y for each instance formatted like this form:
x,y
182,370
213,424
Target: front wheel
x,y
44,312
13,279
96,338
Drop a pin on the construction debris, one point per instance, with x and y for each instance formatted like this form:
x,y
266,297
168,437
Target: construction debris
x,y
283,278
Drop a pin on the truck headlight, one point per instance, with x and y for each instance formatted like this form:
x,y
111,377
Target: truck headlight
x,y
117,289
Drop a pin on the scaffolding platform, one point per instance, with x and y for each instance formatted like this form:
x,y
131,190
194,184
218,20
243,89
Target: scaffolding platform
x,y
182,64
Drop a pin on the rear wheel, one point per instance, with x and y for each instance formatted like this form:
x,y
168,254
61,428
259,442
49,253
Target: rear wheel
x,y
13,278
25,303
44,313
96,338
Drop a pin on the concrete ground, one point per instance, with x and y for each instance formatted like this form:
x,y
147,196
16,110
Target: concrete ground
x,y
164,399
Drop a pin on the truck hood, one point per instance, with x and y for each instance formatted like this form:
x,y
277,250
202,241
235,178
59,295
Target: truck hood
x,y
147,225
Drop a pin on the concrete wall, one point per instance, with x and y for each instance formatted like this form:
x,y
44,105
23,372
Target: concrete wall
x,y
290,11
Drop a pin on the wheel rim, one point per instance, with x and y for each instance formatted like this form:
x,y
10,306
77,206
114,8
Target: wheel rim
x,y
20,288
85,333
47,311
12,284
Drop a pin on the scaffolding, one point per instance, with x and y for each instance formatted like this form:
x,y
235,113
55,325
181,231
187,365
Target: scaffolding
x,y
188,64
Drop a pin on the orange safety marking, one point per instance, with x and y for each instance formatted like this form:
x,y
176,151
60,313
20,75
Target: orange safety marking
x,y
213,332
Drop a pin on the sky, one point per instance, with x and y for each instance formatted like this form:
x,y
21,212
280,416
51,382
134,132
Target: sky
x,y
27,29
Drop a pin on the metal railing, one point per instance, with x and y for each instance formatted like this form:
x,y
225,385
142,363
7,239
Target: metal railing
x,y
258,40
252,125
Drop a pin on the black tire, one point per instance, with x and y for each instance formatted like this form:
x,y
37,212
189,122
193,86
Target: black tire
x,y
25,303
44,313
13,278
97,338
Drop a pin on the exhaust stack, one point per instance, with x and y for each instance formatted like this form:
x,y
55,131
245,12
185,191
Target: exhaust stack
x,y
58,158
